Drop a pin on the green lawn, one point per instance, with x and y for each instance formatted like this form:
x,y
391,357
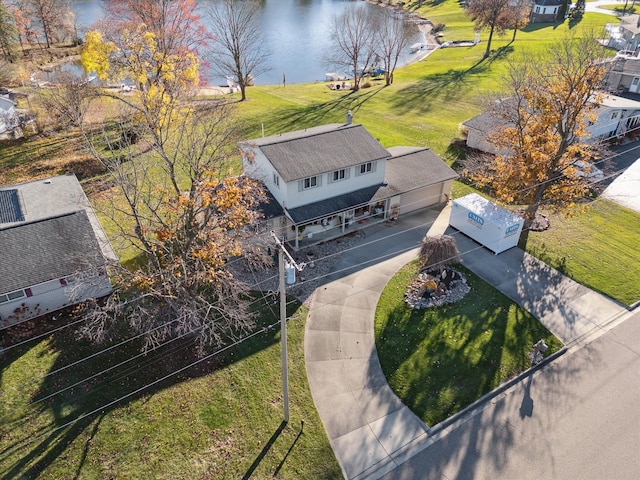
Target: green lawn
x,y
619,8
220,419
439,360
598,248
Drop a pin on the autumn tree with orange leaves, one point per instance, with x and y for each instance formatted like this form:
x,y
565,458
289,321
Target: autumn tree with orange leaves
x,y
186,218
543,129
174,199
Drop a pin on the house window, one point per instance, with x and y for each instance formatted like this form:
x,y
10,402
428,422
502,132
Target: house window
x,y
365,168
614,115
7,297
276,180
338,175
309,182
537,9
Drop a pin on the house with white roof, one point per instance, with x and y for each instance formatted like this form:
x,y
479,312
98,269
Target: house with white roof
x,y
53,250
334,179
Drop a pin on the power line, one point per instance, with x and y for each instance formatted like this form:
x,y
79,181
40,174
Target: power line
x,y
15,448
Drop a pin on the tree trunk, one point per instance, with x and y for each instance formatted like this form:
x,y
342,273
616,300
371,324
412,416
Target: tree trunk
x,y
488,51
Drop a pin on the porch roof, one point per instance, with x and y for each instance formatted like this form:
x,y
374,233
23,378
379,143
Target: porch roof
x,y
331,206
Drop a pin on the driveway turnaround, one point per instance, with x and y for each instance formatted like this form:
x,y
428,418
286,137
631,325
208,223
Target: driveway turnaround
x,y
370,430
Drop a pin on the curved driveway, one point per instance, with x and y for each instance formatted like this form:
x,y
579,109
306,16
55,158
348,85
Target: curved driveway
x,y
370,430
366,423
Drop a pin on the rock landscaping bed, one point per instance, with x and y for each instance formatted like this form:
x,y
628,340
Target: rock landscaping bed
x,y
433,288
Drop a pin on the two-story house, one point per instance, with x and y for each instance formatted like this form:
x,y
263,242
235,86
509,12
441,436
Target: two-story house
x,y
53,251
626,34
615,116
333,179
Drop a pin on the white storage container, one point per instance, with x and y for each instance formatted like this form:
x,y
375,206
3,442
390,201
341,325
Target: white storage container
x,y
487,223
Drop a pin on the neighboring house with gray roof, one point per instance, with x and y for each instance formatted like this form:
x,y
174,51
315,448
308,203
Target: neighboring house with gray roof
x,y
545,10
624,74
614,116
626,34
53,251
333,179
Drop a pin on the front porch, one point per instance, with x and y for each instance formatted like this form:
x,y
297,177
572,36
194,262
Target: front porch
x,y
338,223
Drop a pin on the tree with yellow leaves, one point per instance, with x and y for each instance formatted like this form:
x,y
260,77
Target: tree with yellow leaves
x,y
542,156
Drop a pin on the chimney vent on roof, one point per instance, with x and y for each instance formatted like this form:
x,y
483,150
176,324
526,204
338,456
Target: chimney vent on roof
x,y
349,118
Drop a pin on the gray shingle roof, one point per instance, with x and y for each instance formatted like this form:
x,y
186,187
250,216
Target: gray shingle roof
x,y
548,3
631,66
410,168
52,197
310,152
32,253
332,205
486,122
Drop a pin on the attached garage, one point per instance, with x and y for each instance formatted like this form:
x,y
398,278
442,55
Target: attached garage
x,y
418,177
421,198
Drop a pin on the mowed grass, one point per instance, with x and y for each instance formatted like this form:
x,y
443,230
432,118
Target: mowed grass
x,y
439,360
598,248
220,419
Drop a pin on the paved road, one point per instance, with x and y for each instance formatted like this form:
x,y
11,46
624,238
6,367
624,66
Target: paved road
x,y
577,418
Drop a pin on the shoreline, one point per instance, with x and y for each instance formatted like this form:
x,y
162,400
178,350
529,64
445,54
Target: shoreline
x,y
424,26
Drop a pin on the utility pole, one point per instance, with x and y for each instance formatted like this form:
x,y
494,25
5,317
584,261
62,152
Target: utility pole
x,y
283,319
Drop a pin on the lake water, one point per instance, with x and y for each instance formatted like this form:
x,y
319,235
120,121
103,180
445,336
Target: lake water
x,y
296,32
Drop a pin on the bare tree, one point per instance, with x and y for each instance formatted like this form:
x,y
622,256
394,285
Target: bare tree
x,y
353,42
239,50
438,251
489,14
68,101
187,219
391,39
9,38
518,14
52,16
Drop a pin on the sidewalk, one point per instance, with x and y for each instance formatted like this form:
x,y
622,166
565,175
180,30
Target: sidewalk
x,y
369,428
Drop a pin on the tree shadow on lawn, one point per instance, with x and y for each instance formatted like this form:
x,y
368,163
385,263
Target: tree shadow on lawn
x,y
442,359
448,374
78,396
435,89
290,119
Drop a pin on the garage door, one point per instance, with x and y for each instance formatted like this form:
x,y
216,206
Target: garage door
x,y
418,199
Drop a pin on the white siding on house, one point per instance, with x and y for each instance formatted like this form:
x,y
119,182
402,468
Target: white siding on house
x,y
256,165
297,197
51,296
